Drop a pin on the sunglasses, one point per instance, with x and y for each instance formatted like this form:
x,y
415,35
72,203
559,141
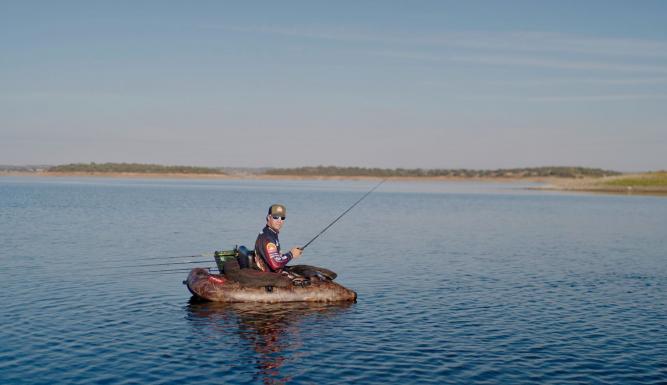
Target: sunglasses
x,y
275,218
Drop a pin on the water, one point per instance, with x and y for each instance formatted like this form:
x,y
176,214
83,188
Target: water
x,y
458,283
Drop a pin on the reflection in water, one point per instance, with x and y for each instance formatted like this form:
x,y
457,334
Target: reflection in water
x,y
272,330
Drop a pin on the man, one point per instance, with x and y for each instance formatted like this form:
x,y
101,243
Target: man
x,y
267,246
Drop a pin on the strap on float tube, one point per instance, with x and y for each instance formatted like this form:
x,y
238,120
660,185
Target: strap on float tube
x,y
341,215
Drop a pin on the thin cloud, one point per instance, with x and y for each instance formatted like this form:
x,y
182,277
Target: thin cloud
x,y
525,61
611,81
517,48
569,64
571,98
527,41
339,34
517,41
598,98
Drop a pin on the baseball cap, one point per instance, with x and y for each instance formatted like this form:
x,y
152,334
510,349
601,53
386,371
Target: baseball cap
x,y
277,210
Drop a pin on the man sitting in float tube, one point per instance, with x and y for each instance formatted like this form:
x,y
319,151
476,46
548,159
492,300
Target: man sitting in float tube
x,y
267,246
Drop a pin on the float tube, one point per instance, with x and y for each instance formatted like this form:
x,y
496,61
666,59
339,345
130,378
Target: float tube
x,y
303,283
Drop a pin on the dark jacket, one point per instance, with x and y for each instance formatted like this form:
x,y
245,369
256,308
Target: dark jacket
x,y
267,252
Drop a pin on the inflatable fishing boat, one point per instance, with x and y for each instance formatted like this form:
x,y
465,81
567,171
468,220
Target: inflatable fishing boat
x,y
299,283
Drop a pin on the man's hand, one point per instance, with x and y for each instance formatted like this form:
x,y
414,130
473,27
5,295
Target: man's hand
x,y
296,252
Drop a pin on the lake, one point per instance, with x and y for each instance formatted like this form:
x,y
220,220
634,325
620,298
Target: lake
x,y
458,283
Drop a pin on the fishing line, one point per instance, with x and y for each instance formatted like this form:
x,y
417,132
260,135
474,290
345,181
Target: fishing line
x,y
345,212
95,267
102,263
156,258
154,264
151,272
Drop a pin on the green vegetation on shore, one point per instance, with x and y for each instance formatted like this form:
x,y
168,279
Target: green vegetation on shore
x,y
535,172
642,183
139,168
649,179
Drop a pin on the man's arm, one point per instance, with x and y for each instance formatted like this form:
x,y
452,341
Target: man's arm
x,y
275,260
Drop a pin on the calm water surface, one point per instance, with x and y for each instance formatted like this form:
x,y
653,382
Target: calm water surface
x,y
458,283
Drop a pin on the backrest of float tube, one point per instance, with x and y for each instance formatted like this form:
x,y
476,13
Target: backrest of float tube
x,y
244,257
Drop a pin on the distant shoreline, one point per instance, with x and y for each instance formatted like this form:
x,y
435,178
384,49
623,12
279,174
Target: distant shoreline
x,y
241,176
133,175
594,185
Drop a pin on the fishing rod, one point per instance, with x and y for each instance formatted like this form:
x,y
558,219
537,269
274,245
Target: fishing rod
x,y
208,254
111,263
153,264
344,212
105,262
139,269
147,272
161,258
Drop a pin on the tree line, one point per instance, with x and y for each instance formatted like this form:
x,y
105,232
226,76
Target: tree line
x,y
561,172
315,171
140,168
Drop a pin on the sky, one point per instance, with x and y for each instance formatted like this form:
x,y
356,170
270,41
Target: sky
x,y
410,84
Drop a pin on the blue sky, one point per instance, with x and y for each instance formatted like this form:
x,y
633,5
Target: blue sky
x,y
430,84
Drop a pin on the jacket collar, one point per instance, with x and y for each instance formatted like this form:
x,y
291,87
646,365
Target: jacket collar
x,y
267,229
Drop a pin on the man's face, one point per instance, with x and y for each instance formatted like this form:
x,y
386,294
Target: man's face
x,y
275,224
